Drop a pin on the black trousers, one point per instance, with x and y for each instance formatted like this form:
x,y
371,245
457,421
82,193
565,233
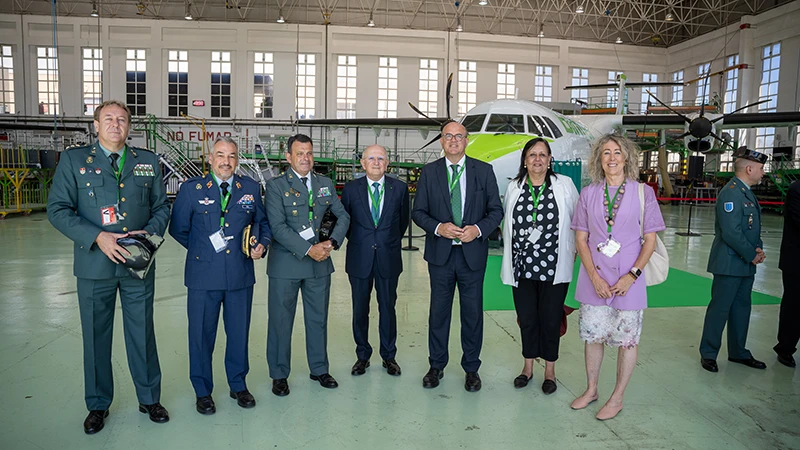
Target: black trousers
x,y
386,289
789,323
540,307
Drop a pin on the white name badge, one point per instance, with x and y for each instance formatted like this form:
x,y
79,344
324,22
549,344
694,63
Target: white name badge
x,y
534,235
219,241
609,247
307,234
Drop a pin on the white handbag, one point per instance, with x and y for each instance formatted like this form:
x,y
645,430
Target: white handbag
x,y
657,268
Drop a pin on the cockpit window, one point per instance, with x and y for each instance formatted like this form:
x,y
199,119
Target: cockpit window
x,y
506,123
556,132
545,131
473,124
533,127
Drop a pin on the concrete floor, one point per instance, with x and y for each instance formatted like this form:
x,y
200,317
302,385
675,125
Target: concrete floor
x,y
671,403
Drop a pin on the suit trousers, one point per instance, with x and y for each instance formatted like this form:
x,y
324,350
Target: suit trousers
x,y
731,303
203,313
789,322
281,306
97,303
540,308
386,289
444,279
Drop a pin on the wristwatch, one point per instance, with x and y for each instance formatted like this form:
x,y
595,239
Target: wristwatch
x,y
636,272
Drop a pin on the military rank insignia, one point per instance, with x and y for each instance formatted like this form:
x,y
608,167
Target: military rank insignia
x,y
144,170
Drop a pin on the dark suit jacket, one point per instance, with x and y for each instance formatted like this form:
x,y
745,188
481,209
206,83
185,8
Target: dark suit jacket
x,y
195,217
365,241
790,244
482,207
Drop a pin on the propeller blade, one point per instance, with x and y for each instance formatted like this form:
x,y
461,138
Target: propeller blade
x,y
447,95
712,134
666,106
438,136
743,107
420,112
669,141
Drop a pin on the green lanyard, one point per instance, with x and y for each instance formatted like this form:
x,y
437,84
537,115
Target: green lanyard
x,y
454,182
611,203
310,203
536,198
118,172
223,204
376,201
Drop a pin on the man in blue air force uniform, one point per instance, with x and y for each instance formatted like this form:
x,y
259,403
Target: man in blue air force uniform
x,y
209,218
296,203
736,251
100,193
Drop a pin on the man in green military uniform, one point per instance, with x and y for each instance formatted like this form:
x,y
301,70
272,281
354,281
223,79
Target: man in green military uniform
x,y
736,251
296,203
100,193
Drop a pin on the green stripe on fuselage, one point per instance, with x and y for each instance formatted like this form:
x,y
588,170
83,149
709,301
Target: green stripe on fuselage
x,y
488,147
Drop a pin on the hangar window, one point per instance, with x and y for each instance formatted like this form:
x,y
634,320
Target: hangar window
x,y
474,123
220,84
387,87
580,77
428,86
612,96
306,86
768,90
703,85
648,78
178,83
506,123
506,81
677,91
467,86
92,79
263,84
346,87
6,80
136,81
47,77
543,84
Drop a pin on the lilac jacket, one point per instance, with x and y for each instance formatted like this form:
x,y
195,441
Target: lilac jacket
x,y
590,217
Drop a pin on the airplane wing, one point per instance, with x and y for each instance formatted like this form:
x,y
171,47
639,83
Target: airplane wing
x,y
630,85
402,122
738,120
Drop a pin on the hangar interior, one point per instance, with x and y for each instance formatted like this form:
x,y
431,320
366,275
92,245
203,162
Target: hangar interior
x,y
255,70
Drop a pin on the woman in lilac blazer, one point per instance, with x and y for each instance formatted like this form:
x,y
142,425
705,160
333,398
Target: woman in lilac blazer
x,y
611,284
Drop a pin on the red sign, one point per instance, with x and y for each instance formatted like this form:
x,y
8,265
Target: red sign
x,y
198,103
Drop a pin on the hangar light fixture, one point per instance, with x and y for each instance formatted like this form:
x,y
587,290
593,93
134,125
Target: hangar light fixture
x,y
669,17
483,2
188,11
280,17
371,22
619,40
579,9
94,12
459,28
541,30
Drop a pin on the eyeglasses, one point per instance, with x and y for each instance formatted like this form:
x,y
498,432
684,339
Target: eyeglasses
x,y
450,136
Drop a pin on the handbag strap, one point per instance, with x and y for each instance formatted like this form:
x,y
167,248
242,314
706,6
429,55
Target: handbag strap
x,y
641,211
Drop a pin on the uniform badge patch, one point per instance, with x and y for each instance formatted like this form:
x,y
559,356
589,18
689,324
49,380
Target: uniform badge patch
x,y
247,199
324,191
208,185
206,201
82,170
89,160
728,207
198,187
97,171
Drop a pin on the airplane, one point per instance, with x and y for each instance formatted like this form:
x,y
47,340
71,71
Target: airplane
x,y
498,129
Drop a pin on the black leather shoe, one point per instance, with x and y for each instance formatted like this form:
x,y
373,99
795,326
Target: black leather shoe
x,y
280,387
157,413
431,379
360,367
391,366
709,364
95,421
244,398
787,360
205,405
750,362
549,386
473,382
521,381
325,380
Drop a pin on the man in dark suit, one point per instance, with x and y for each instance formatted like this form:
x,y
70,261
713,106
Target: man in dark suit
x,y
735,253
208,218
296,204
378,209
458,205
789,323
100,193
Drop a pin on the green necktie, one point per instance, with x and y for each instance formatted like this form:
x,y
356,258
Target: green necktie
x,y
455,197
376,203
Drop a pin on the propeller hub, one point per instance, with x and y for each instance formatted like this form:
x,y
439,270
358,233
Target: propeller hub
x,y
700,127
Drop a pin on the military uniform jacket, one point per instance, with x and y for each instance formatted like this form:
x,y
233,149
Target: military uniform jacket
x,y
287,210
84,183
196,216
737,230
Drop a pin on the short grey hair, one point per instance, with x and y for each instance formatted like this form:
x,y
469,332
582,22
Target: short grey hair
x,y
227,140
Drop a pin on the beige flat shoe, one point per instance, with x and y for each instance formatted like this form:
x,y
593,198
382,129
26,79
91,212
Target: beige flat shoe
x,y
608,412
582,402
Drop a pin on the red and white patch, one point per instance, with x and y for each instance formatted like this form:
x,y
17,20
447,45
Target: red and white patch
x,y
97,171
82,170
